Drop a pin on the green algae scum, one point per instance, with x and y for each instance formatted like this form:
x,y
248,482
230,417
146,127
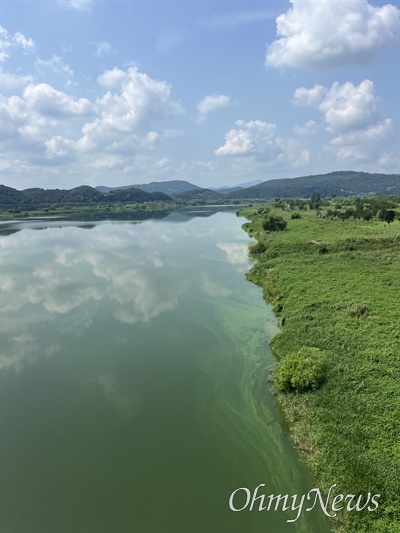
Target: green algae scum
x,y
134,381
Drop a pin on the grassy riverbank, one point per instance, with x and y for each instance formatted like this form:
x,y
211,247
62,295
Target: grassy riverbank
x,y
85,210
335,285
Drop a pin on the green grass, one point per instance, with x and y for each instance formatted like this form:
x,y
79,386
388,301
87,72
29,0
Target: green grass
x,y
336,286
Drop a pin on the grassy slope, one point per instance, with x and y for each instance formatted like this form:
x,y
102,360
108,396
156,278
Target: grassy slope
x,y
349,429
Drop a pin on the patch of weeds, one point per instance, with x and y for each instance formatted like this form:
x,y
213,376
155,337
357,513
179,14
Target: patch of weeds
x,y
257,248
357,310
302,371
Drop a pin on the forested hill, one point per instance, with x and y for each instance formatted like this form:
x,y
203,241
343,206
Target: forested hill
x,y
199,194
78,196
172,187
335,183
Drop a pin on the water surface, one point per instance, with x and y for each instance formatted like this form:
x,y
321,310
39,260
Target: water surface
x,y
134,360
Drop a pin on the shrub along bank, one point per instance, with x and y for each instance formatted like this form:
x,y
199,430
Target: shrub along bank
x,y
335,286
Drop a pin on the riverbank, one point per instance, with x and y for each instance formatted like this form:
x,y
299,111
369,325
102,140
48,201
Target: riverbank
x,y
335,286
136,210
86,210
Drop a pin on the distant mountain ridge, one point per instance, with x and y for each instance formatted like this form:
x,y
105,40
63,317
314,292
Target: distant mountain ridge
x,y
172,187
199,194
341,183
225,190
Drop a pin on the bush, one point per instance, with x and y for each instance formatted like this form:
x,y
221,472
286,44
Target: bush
x,y
302,371
274,223
295,215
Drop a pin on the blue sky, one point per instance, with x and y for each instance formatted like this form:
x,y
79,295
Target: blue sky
x,y
216,93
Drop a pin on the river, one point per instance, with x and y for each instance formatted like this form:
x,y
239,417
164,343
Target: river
x,y
134,395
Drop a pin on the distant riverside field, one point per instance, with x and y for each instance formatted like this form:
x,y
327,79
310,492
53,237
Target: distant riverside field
x,y
335,286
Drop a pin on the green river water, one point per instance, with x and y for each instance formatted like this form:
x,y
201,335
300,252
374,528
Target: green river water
x,y
134,361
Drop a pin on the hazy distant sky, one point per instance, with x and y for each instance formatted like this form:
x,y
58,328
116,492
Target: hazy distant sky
x,y
213,92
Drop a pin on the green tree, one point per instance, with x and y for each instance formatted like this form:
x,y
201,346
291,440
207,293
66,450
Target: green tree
x,y
389,216
358,207
381,214
315,200
350,213
278,203
367,214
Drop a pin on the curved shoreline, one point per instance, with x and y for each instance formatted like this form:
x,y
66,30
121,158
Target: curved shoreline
x,y
348,429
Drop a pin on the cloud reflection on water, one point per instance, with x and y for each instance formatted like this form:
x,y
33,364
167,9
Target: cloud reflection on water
x,y
236,254
131,273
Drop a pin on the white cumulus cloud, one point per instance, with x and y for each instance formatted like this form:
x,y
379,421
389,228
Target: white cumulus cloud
x,y
125,114
18,40
211,103
260,140
113,78
37,122
309,97
12,81
364,144
249,138
350,113
25,42
58,147
330,33
107,161
47,101
344,107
